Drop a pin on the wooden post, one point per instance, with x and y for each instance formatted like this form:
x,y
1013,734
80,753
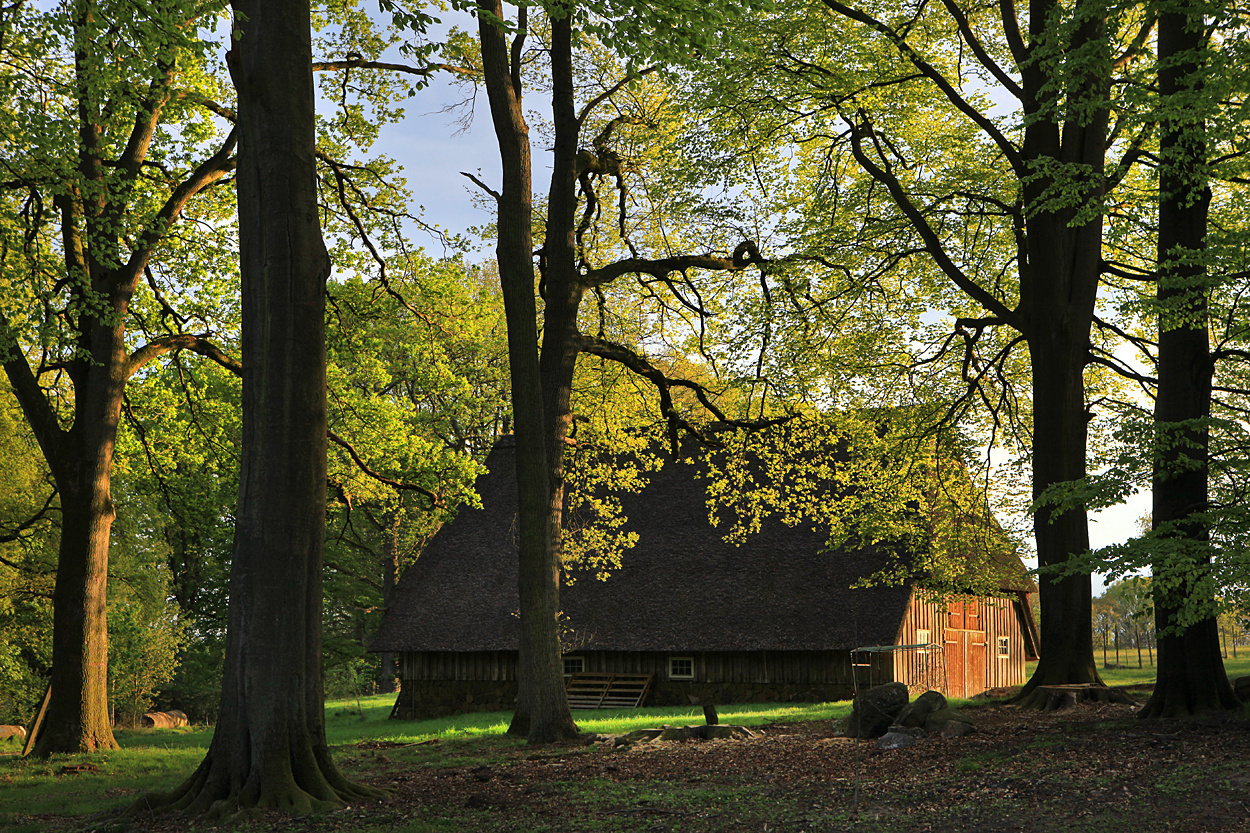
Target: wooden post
x,y
37,724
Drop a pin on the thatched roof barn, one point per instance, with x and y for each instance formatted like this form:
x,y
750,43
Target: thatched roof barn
x,y
773,618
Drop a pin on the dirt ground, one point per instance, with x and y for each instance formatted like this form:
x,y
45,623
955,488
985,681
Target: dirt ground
x,y
1089,768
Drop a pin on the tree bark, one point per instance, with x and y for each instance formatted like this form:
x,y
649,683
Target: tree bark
x,y
1191,676
77,719
542,709
269,748
1058,287
390,578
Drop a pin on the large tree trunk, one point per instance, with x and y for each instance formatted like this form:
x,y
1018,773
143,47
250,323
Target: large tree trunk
x,y
553,720
540,690
390,578
1067,647
77,719
1191,676
269,748
1058,287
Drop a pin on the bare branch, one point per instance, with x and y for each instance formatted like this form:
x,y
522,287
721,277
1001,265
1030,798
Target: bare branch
x,y
611,91
932,243
434,499
183,341
16,533
1009,150
483,186
744,255
361,63
978,49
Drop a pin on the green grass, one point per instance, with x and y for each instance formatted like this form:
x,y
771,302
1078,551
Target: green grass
x,y
155,760
1130,674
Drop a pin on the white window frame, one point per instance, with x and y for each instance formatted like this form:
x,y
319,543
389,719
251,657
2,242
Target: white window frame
x,y
581,661
1004,647
675,676
923,637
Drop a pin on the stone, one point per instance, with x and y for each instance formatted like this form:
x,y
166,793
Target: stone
x,y
842,727
936,720
1241,687
644,734
895,740
914,731
915,712
874,711
957,729
16,733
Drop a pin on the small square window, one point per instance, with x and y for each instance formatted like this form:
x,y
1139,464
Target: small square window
x,y
680,668
1004,646
574,665
923,638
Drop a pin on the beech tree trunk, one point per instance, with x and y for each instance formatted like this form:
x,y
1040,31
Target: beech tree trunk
x,y
1058,287
269,748
390,578
77,719
542,711
1191,676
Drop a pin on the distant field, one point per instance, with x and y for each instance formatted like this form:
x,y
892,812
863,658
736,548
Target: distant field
x,y
1129,674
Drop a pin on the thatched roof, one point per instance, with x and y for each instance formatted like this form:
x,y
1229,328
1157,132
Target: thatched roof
x,y
681,588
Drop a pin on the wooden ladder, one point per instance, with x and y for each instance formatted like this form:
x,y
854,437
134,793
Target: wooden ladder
x,y
607,691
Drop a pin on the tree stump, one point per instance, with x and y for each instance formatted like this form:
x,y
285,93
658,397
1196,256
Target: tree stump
x,y
1049,698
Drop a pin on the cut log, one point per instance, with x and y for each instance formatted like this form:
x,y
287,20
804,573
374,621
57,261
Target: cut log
x,y
164,720
17,733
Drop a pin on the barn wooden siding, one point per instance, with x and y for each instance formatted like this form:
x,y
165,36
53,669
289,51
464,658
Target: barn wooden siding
x,y
967,628
452,665
767,667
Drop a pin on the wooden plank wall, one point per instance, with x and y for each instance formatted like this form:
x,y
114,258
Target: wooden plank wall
x,y
730,666
998,617
723,667
449,665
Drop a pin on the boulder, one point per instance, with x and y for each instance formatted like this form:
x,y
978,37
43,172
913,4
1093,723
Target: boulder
x,y
164,720
895,740
14,733
1241,687
916,712
875,710
916,732
957,729
938,719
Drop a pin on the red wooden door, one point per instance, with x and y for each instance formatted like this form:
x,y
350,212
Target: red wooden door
x,y
974,671
964,644
954,646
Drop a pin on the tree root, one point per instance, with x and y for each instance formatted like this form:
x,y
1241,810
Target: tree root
x,y
308,783
1180,701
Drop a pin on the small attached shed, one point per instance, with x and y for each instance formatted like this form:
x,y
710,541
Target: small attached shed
x,y
772,619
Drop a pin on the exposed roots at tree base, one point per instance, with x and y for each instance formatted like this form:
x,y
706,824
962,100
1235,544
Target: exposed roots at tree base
x,y
311,784
553,731
1049,698
1178,701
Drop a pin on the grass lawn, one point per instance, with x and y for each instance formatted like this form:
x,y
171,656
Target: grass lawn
x,y
1127,672
155,760
367,744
